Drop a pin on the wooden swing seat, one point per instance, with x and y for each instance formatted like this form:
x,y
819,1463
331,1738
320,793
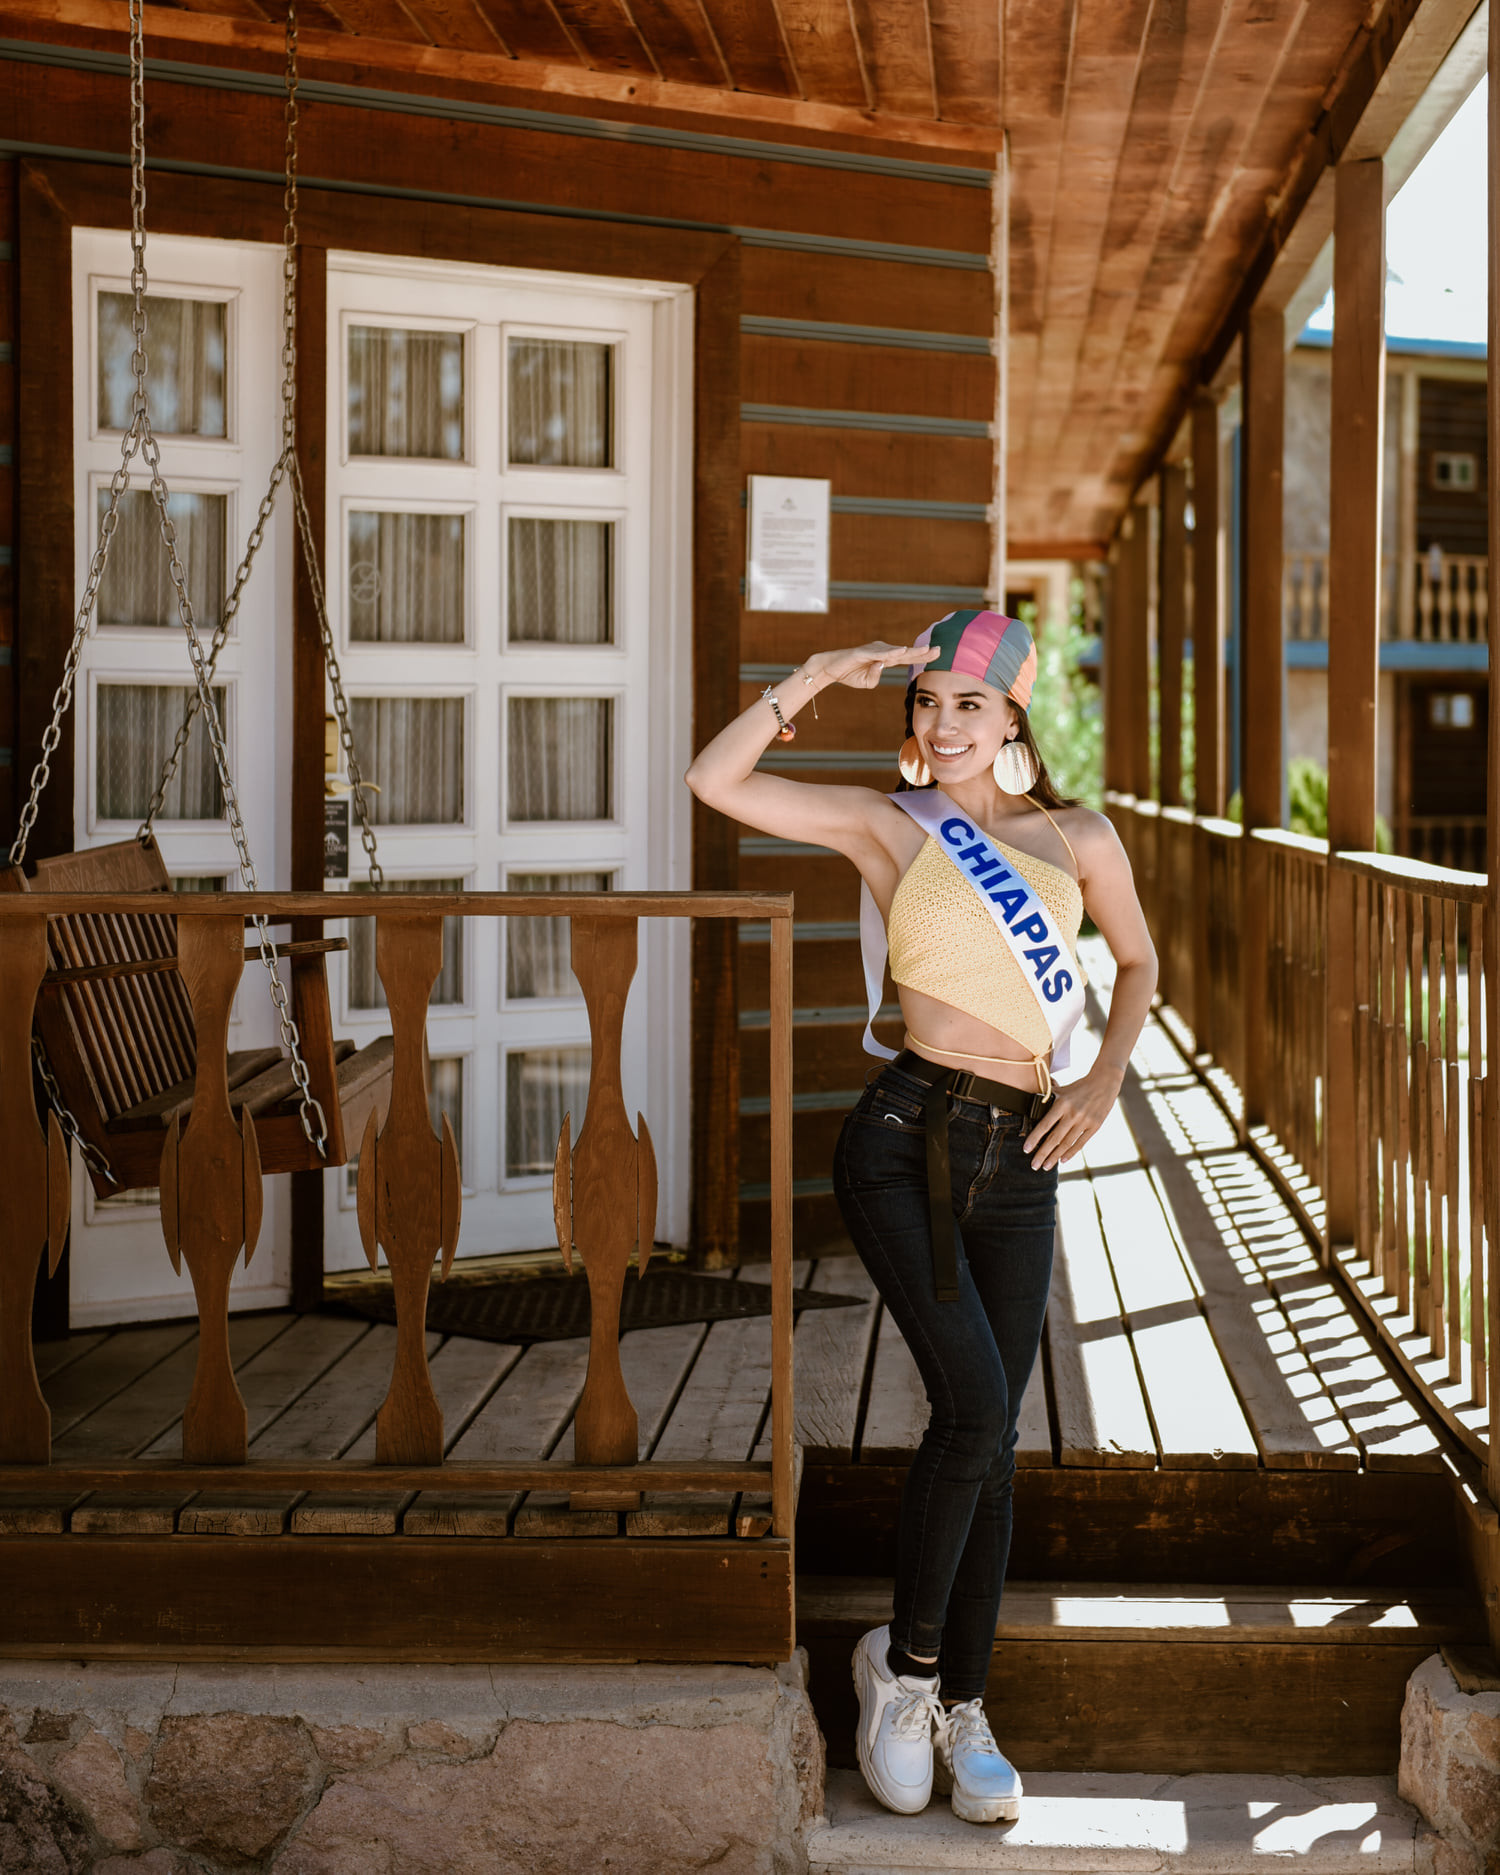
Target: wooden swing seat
x,y
115,1021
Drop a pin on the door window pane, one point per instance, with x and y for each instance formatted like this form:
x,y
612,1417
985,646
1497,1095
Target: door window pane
x,y
560,758
185,358
366,991
137,585
541,1085
538,951
412,748
561,589
561,397
406,393
137,724
406,578
445,1094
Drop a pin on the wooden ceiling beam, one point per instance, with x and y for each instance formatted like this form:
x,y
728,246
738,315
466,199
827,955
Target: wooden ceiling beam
x,y
606,33
1388,68
825,50
754,46
1038,36
966,60
528,29
681,40
896,43
1108,36
458,23
527,82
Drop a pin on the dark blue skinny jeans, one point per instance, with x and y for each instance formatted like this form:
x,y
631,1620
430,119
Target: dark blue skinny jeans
x,y
975,1355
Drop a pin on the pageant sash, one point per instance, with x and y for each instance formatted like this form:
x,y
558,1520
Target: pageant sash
x,y
1019,915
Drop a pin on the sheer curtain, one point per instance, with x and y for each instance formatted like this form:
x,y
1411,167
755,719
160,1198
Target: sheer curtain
x,y
560,758
561,394
136,727
406,393
366,991
185,351
560,581
541,1085
406,578
539,951
412,748
137,586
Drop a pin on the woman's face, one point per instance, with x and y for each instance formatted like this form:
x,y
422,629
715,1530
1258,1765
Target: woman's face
x,y
960,724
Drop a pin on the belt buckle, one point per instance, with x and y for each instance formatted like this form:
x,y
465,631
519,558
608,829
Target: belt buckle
x,y
961,1087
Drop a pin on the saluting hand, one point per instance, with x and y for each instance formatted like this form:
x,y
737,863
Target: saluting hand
x,y
860,668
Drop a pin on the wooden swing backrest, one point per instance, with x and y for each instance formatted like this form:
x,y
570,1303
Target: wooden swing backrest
x,y
130,1037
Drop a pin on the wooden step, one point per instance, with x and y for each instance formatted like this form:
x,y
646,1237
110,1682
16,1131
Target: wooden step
x,y
1194,1825
1171,1678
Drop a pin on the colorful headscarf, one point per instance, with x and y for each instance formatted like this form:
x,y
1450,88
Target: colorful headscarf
x,y
998,651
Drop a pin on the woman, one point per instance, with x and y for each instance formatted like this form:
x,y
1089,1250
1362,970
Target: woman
x,y
946,1171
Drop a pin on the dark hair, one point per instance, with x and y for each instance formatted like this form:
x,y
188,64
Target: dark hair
x,y
1045,792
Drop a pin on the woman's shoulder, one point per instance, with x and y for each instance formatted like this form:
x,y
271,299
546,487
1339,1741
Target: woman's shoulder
x,y
1087,831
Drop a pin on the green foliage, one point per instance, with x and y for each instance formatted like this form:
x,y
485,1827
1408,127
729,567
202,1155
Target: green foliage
x,y
1067,715
1307,804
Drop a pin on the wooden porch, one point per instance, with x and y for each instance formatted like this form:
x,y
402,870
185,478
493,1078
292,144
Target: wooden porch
x,y
1224,1476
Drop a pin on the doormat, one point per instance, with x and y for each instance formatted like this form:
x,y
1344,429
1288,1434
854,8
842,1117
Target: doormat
x,y
556,1308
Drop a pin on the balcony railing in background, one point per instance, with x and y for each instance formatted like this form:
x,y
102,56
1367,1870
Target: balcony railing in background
x,y
1425,1260
1444,599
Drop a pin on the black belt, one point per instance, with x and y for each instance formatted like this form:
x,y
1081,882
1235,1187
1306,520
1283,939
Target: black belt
x,y
943,1084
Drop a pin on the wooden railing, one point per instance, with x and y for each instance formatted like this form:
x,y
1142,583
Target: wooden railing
x,y
1443,599
1424,1261
1452,840
1425,1133
408,1200
1296,1041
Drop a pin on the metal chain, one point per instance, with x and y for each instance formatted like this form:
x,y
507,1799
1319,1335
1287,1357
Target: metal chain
x,y
287,467
140,439
90,1153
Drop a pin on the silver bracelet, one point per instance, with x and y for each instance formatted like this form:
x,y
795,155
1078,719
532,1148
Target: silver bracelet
x,y
786,731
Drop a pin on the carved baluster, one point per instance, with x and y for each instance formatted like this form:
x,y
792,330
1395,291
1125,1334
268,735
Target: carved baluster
x,y
604,1200
210,1188
34,1216
409,1192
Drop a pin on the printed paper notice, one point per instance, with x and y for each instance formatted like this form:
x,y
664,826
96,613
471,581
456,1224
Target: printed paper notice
x,y
788,551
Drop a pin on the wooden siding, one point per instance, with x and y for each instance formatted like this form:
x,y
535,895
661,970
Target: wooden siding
x,y
889,355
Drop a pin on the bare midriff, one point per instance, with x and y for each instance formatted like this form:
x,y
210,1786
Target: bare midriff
x,y
947,1037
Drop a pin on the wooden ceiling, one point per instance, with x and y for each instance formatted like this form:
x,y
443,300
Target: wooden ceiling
x,y
1153,144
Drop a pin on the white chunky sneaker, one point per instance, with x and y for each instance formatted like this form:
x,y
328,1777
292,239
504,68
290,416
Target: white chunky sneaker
x,y
985,1784
896,1721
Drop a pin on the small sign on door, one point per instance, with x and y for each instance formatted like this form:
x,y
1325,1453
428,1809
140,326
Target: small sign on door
x,y
336,837
788,549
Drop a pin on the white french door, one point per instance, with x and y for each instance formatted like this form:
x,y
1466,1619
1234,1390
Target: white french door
x,y
213,339
508,569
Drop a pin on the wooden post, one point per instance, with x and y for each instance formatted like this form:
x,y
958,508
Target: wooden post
x,y
1112,659
1492,805
1208,684
1171,623
1262,669
1353,604
783,1458
1136,726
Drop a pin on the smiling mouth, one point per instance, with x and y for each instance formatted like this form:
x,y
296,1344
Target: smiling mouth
x,y
949,754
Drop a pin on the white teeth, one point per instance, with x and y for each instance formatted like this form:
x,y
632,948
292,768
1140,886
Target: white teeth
x,y
962,749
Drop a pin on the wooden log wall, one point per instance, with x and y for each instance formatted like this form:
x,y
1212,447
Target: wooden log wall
x,y
859,350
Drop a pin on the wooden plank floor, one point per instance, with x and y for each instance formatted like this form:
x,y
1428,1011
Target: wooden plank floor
x,y
1192,1329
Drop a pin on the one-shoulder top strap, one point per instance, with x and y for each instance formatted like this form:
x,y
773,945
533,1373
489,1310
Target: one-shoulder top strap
x,y
1078,870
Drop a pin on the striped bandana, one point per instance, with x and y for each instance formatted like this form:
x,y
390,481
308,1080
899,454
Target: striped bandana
x,y
998,651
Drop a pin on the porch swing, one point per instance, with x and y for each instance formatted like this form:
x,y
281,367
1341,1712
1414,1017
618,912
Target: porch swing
x,y
113,1036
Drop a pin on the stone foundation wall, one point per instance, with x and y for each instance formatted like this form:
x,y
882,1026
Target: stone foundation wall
x,y
1450,1770
406,1770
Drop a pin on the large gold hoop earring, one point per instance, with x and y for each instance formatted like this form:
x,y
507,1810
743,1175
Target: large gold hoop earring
x,y
914,771
1015,768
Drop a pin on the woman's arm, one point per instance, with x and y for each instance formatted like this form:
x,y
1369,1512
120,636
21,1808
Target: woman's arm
x,y
723,775
1109,897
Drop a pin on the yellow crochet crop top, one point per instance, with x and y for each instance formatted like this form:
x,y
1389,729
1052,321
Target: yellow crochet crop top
x,y
945,945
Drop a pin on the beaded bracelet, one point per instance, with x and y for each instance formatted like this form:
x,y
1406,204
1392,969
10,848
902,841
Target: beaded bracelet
x,y
786,731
